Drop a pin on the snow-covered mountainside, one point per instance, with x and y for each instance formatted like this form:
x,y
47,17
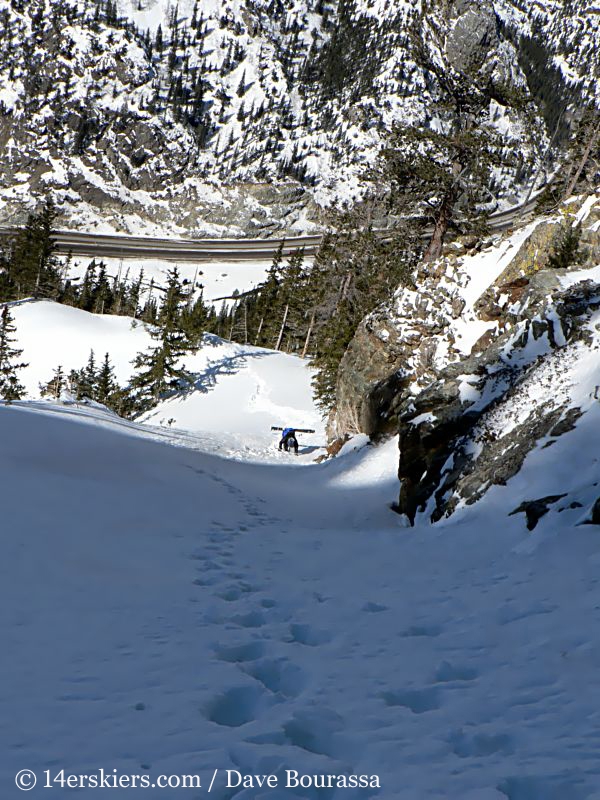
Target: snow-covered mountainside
x,y
489,357
168,612
215,118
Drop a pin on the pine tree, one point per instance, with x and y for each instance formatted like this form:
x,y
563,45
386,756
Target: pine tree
x,y
10,388
102,296
106,383
195,320
85,300
55,386
85,380
158,368
444,176
30,267
267,304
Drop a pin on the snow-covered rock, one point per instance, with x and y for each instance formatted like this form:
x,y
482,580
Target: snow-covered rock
x,y
253,116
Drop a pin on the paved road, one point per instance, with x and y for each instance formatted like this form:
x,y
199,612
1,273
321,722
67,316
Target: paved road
x,y
105,246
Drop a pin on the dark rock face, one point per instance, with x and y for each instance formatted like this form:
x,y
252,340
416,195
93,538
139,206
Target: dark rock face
x,y
453,448
534,510
406,359
467,410
473,36
595,518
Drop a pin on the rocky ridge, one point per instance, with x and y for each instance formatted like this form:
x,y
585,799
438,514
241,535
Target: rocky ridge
x,y
251,117
481,360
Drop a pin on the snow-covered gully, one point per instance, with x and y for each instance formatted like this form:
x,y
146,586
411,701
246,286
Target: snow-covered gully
x,y
171,612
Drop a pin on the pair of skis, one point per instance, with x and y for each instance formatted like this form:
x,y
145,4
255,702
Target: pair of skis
x,y
296,430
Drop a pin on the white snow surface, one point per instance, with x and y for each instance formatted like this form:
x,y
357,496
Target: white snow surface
x,y
171,612
169,609
218,278
239,390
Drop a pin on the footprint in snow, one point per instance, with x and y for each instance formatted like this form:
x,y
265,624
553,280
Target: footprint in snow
x,y
317,730
307,635
240,653
419,701
253,619
480,745
235,591
374,608
278,676
235,707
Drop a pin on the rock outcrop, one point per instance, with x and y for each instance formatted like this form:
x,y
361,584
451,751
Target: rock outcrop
x,y
468,347
128,127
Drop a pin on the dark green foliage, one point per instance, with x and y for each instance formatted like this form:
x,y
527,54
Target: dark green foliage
x,y
83,382
106,383
28,264
195,319
314,311
566,250
158,369
100,385
442,179
351,277
10,388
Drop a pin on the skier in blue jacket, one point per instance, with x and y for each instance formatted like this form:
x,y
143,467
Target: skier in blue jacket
x,y
288,440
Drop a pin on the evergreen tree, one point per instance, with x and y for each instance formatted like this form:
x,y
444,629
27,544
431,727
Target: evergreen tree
x,y
443,176
267,304
106,383
55,386
292,302
566,250
85,300
351,276
10,388
84,381
195,320
102,296
158,368
30,267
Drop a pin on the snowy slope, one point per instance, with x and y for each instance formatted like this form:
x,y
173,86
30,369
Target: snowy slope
x,y
53,335
167,612
239,391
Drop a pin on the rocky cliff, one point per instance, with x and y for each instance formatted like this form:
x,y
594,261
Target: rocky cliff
x,y
493,353
248,116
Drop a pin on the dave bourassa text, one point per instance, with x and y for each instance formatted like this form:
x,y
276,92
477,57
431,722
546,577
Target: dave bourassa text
x,y
293,780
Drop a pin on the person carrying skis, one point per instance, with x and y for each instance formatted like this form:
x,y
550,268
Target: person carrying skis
x,y
288,440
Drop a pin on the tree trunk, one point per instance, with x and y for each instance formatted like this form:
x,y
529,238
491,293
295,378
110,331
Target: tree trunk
x,y
260,324
583,162
308,335
434,248
280,337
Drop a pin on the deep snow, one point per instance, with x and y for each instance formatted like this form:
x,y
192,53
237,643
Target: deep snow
x,y
167,610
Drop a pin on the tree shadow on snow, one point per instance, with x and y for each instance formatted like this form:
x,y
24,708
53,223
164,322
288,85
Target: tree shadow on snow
x,y
207,379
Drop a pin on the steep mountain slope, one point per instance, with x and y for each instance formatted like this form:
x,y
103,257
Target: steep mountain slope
x,y
138,126
491,355
167,613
